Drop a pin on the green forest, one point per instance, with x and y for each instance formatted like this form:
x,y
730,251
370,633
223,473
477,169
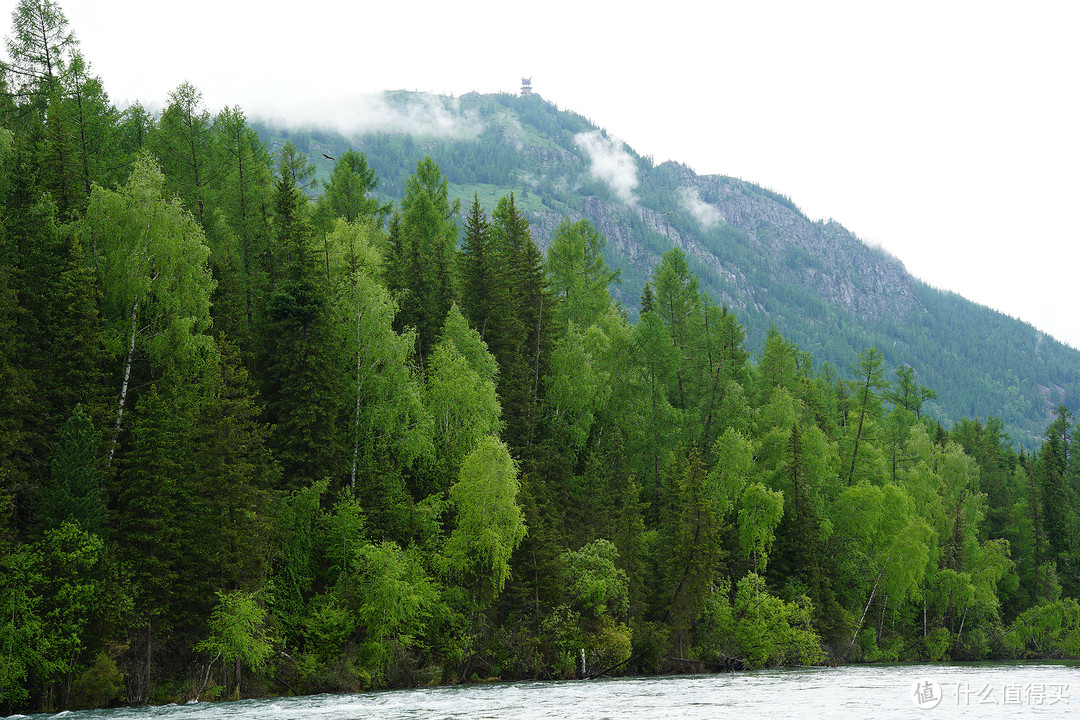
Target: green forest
x,y
255,443
816,282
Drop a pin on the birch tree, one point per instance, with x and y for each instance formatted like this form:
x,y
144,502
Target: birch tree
x,y
490,525
151,256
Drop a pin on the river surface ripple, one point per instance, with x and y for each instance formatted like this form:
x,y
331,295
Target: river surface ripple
x,y
978,690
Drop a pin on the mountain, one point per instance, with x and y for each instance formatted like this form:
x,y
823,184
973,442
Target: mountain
x,y
752,248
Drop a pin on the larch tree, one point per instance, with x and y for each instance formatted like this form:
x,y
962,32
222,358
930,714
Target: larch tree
x,y
38,48
181,141
347,194
868,384
579,276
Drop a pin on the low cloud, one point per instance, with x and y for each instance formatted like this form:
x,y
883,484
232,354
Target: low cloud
x,y
707,215
610,164
419,114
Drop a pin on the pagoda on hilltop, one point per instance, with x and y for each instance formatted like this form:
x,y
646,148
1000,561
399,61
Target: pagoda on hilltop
x,y
526,86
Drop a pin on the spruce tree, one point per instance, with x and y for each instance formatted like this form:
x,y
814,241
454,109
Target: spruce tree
x,y
300,382
74,491
424,242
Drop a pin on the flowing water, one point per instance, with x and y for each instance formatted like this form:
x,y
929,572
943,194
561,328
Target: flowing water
x,y
868,691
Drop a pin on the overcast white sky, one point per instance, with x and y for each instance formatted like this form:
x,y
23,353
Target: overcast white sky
x,y
945,132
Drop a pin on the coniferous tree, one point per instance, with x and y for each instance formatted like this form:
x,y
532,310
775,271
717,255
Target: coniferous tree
x,y
298,363
424,242
181,141
235,473
523,364
485,290
74,490
868,385
242,233
347,194
91,123
38,49
579,276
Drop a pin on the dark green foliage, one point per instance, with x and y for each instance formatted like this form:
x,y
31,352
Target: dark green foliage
x,y
525,361
301,390
73,492
252,444
423,253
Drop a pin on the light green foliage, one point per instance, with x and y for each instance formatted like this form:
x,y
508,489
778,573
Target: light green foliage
x,y
394,367
574,387
594,584
149,250
463,406
886,545
1047,629
677,296
734,462
908,394
347,193
468,343
990,564
24,646
778,369
938,643
867,386
769,631
891,542
395,601
342,532
388,426
679,306
489,522
760,510
238,631
152,262
578,274
71,560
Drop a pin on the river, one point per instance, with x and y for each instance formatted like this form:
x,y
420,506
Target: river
x,y
982,690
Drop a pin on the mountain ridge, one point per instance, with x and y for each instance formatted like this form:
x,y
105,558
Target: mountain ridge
x,y
753,249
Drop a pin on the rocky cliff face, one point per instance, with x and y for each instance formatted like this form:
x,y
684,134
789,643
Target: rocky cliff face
x,y
822,258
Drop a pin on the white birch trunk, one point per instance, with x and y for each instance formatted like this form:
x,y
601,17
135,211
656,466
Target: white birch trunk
x,y
127,377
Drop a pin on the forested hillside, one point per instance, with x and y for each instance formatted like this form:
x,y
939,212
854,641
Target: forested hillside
x,y
253,442
752,248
